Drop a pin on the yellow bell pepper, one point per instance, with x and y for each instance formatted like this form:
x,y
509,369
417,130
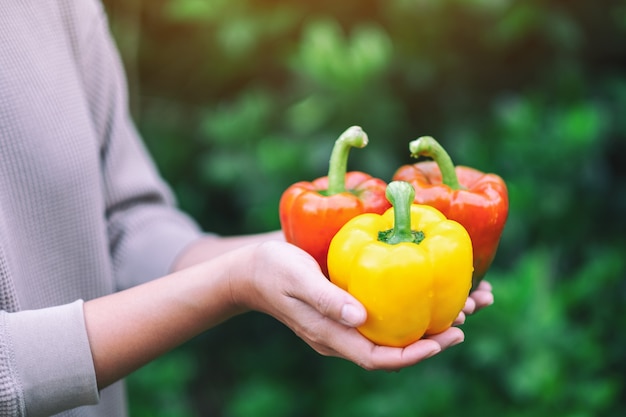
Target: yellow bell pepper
x,y
410,267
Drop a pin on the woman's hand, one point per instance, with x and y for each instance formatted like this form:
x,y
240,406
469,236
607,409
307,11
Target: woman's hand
x,y
129,328
286,283
478,299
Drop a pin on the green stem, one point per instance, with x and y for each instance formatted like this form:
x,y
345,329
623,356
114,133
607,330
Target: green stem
x,y
429,147
353,137
401,194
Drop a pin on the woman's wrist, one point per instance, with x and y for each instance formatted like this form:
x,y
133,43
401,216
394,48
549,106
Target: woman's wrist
x,y
247,283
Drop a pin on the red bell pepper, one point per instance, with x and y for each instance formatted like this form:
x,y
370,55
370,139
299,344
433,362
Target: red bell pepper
x,y
311,213
477,200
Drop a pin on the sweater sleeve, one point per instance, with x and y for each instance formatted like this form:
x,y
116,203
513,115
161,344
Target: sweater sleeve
x,y
49,380
45,357
146,230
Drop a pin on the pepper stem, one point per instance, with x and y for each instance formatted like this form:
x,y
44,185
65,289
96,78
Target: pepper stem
x,y
401,194
353,137
429,147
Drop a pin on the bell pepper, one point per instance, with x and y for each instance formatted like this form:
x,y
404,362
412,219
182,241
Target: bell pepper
x,y
410,267
311,212
477,200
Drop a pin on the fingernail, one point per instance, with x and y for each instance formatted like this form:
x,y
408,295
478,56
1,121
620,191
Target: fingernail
x,y
433,353
351,315
457,341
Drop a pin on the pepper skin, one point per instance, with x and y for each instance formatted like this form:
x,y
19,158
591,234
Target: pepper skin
x,y
312,212
477,200
410,267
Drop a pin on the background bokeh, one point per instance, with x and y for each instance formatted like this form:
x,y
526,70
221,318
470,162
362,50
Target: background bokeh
x,y
237,99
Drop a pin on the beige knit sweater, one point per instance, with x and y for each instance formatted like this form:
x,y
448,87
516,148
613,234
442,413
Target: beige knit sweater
x,y
83,211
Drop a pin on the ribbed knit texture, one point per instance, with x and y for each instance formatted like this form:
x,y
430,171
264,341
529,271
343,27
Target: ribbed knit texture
x,y
83,211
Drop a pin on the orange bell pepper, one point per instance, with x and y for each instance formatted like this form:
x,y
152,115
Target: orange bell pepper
x,y
312,212
477,200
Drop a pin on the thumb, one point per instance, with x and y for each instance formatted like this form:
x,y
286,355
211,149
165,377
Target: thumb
x,y
332,302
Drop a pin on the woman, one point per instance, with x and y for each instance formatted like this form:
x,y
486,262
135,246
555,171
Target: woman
x,y
99,271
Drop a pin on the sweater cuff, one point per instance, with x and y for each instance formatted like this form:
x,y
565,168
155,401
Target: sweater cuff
x,y
53,358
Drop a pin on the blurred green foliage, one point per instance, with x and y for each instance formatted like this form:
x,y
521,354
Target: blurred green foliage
x,y
237,99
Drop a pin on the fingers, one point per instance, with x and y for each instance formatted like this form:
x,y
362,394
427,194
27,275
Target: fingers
x,y
470,305
460,319
333,338
349,344
482,296
452,336
478,299
484,286
392,359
